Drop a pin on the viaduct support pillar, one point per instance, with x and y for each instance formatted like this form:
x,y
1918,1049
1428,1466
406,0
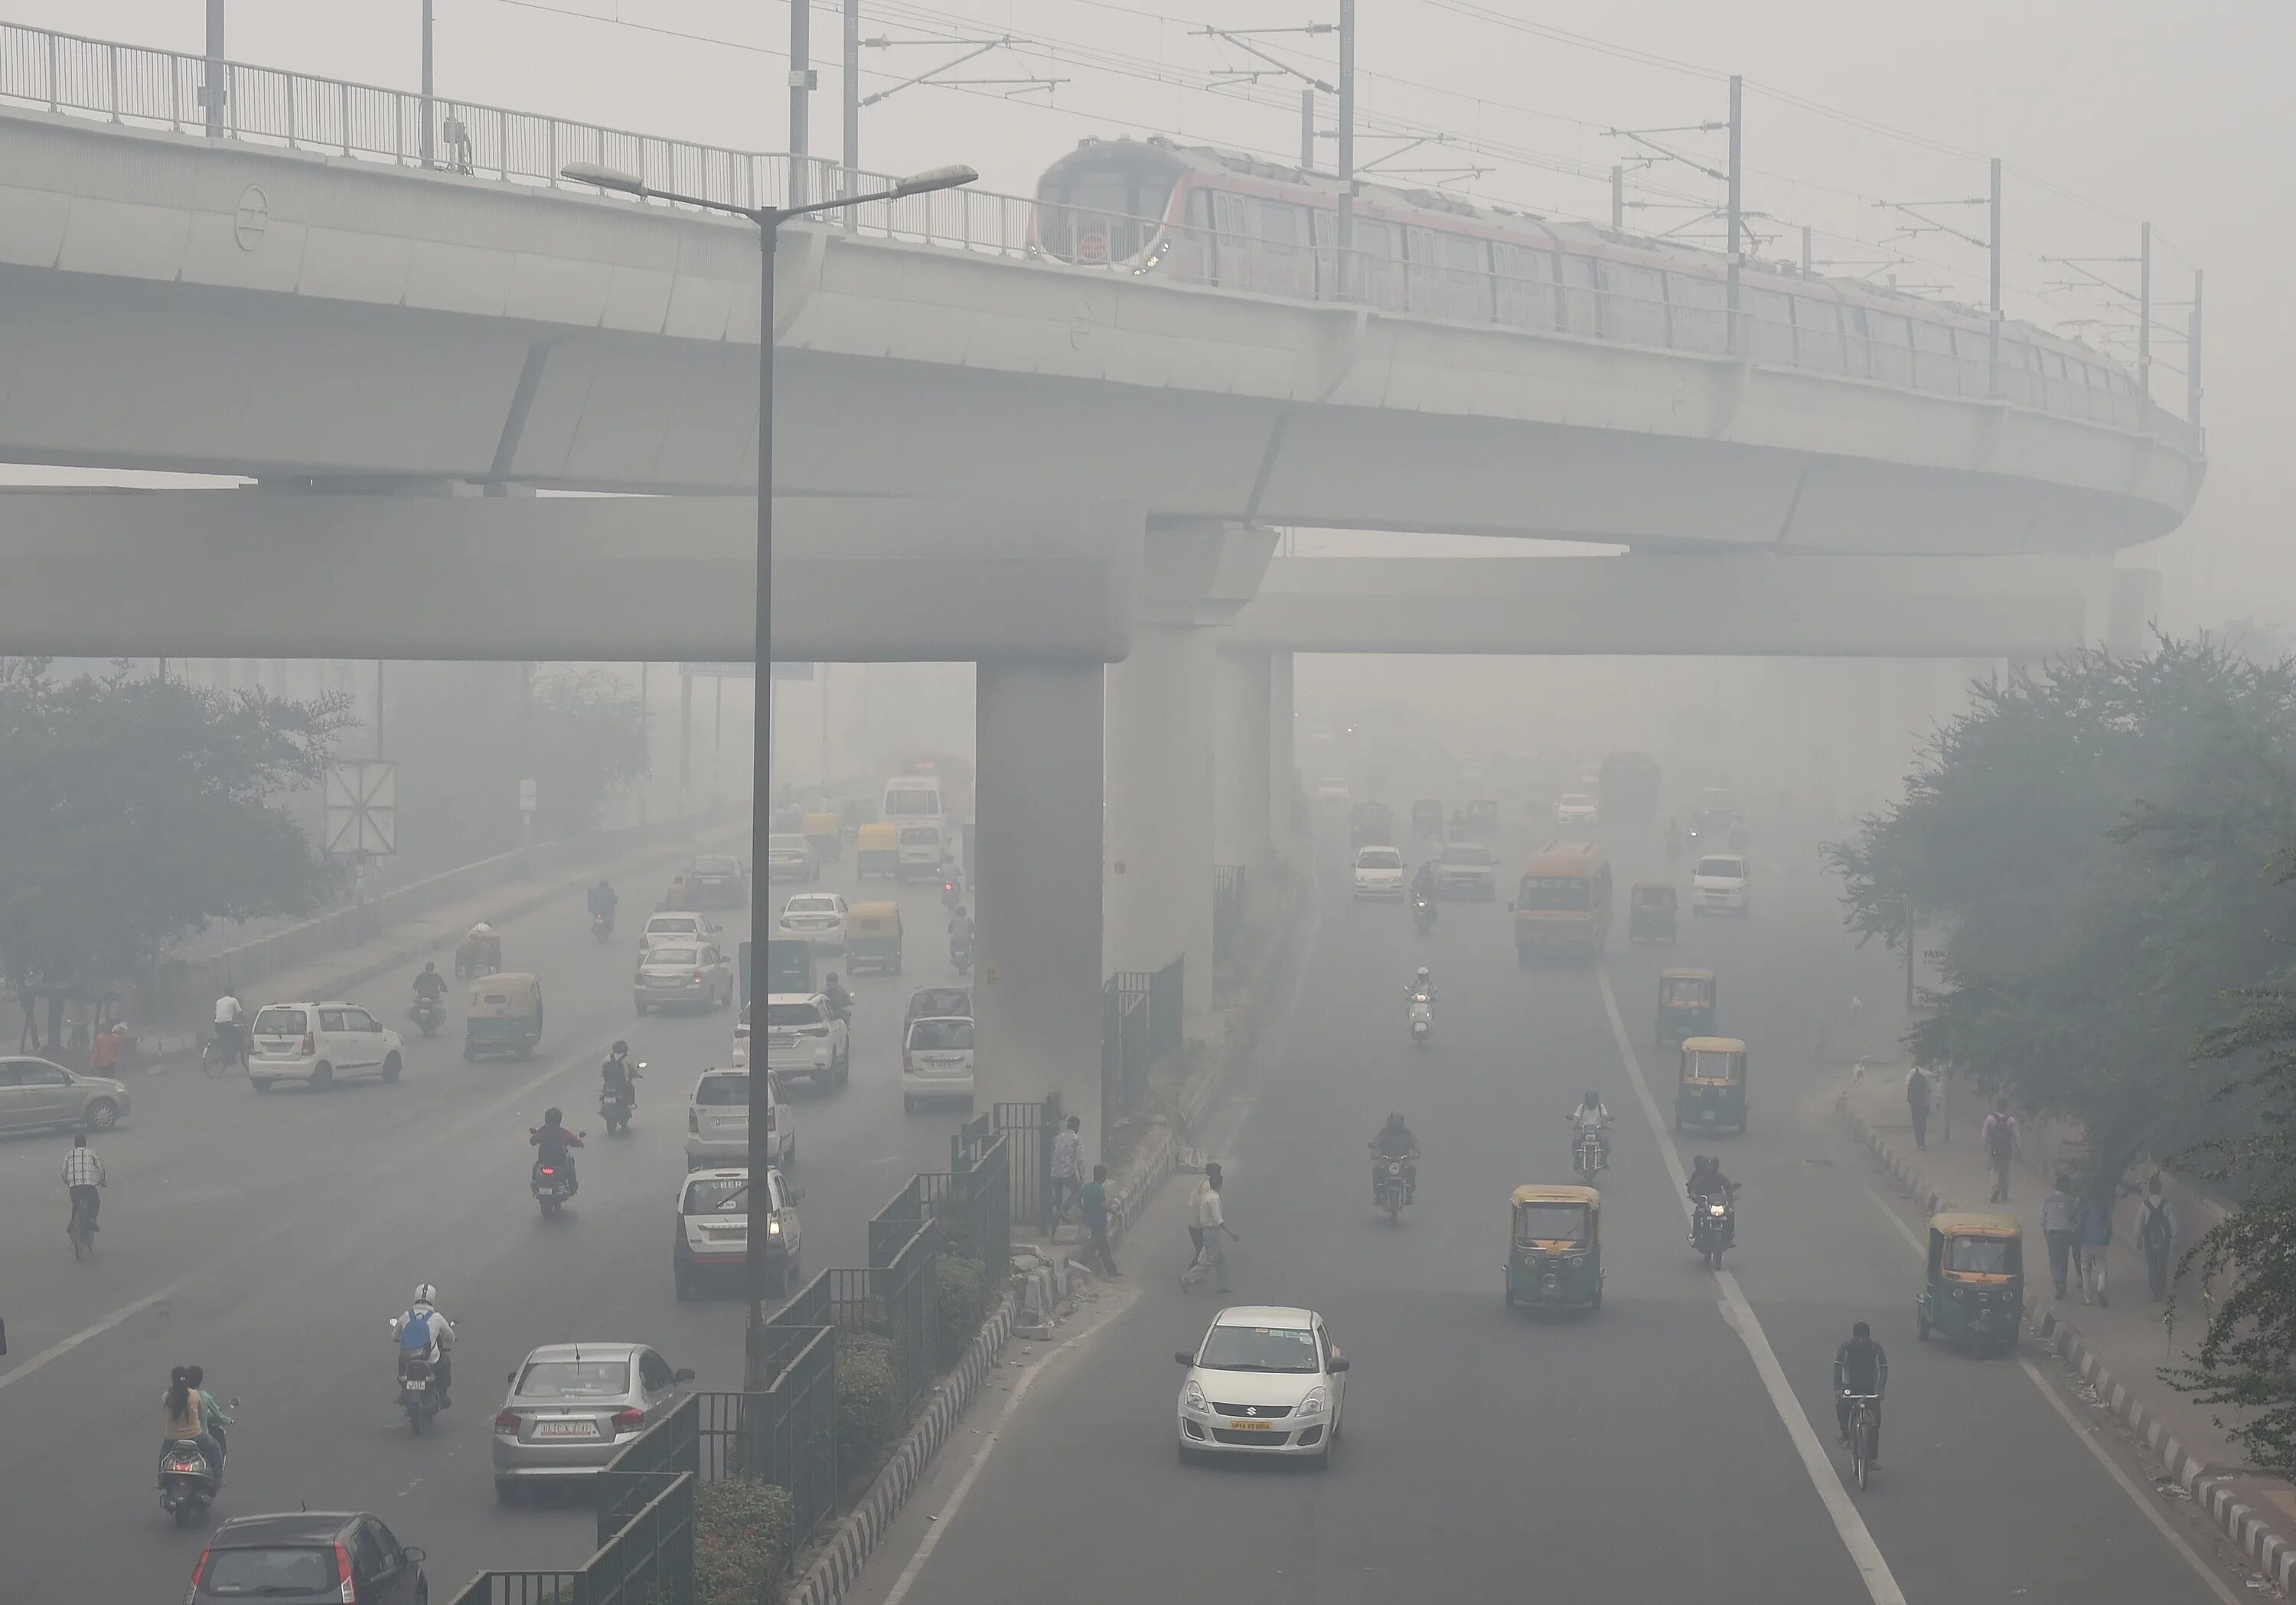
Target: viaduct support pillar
x,y
1038,976
1243,764
1283,758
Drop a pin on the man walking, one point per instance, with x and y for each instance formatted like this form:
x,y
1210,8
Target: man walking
x,y
1211,1227
1094,1200
1917,1100
2156,1229
2093,1232
1067,1167
2001,1143
2057,1230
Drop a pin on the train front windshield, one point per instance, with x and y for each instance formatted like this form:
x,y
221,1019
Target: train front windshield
x,y
1101,210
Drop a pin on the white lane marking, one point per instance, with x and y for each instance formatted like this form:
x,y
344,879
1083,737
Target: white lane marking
x,y
1864,1554
2087,1436
941,1520
56,1351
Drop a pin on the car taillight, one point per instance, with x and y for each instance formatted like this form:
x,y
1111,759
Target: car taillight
x,y
697,977
694,1120
506,1421
628,1420
310,1043
344,1590
198,1572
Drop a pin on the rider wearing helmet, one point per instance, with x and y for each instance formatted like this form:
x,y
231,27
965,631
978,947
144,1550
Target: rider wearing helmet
x,y
1394,1140
553,1141
1420,984
425,1333
1593,1115
619,1077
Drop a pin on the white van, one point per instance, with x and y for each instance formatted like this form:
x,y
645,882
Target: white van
x,y
925,848
914,799
1719,883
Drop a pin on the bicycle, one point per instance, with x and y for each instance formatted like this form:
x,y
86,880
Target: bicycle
x,y
1862,1424
81,1232
217,1060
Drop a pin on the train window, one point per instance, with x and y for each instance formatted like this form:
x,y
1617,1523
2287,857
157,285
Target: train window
x,y
1521,279
1278,221
1767,319
1581,306
1377,240
1635,308
1463,255
1700,312
2053,365
1817,334
1888,337
1933,338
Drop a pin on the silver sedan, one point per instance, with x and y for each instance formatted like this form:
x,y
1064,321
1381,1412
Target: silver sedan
x,y
683,975
571,1405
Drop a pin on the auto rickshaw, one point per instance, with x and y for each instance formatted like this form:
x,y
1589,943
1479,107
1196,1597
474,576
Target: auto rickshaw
x,y
1975,1291
872,938
1650,912
826,834
877,850
1554,1249
1686,1006
1371,824
1712,1093
1483,819
505,1016
478,954
1427,817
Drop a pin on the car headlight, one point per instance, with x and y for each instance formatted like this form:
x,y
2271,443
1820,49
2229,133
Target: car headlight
x,y
773,1228
1315,1402
1192,1396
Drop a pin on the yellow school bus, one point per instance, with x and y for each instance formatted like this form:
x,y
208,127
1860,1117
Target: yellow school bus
x,y
1563,904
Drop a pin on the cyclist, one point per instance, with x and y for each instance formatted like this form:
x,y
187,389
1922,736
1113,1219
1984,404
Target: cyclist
x,y
83,1174
1861,1366
230,1036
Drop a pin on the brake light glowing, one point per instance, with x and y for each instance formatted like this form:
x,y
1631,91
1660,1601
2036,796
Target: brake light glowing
x,y
628,1420
344,1592
549,1170
697,977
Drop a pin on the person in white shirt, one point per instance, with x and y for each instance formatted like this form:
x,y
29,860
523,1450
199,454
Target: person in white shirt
x,y
1593,1115
1067,1167
1209,1222
425,1333
229,1036
83,1174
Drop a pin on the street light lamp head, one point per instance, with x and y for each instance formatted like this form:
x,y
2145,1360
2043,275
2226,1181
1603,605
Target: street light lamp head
x,y
934,178
604,178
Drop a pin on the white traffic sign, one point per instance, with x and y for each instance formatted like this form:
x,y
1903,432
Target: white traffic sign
x,y
362,811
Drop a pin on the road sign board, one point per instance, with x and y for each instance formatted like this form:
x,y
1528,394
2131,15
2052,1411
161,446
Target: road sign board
x,y
745,671
362,807
526,797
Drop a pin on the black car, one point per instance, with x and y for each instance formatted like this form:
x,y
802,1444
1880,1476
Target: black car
x,y
309,1558
716,881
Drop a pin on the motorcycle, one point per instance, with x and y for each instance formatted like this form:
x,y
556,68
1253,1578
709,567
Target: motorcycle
x,y
602,927
418,1387
187,1480
1714,1226
1586,1156
1387,1187
1422,1019
1422,913
951,894
430,1014
960,954
617,1104
552,1186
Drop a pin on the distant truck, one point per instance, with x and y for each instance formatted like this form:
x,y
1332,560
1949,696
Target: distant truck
x,y
1629,783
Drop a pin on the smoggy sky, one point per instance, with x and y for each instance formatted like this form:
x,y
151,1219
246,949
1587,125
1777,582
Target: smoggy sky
x,y
2107,112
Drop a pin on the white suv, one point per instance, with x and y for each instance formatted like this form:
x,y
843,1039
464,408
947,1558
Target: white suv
x,y
319,1045
1719,883
1379,873
718,1121
803,1038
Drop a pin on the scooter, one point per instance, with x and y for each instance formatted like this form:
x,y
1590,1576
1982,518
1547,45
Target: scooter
x,y
1422,1019
430,1014
602,927
960,954
615,1107
552,1186
1714,1226
187,1481
1422,913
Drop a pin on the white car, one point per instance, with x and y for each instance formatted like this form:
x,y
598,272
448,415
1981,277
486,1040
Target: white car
x,y
936,1060
718,1120
1469,870
1266,1379
790,857
1719,883
685,930
1574,808
1331,788
713,1230
1379,873
816,917
803,1038
319,1045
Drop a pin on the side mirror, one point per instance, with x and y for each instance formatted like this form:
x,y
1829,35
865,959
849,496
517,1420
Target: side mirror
x,y
1184,1357
415,1557
1340,1365
684,1374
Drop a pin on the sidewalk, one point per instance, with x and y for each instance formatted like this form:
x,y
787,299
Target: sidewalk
x,y
2116,1350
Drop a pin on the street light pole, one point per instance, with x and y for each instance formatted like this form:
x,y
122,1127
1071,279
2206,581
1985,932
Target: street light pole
x,y
768,220
429,84
212,93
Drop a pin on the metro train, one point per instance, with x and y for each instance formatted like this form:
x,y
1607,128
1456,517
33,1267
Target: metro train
x,y
1203,216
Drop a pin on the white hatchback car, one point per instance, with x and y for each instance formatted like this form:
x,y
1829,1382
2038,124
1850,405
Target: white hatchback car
x,y
803,1038
1379,873
1718,884
936,1060
686,930
1266,1379
713,1230
816,917
1575,808
718,1120
319,1045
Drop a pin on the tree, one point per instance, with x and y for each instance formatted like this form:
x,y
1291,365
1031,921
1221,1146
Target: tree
x,y
2090,838
590,741
135,810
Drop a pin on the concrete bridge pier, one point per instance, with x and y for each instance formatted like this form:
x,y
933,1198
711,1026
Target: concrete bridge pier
x,y
1161,753
1282,757
1036,974
1243,763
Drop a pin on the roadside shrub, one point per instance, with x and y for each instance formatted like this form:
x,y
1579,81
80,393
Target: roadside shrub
x,y
868,1398
740,1541
963,1305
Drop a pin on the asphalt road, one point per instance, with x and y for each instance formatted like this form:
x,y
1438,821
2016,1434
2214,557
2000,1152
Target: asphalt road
x,y
1634,1454
269,1237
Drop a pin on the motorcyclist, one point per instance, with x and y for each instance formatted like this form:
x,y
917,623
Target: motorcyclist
x,y
1593,1115
1423,884
1860,1366
230,1026
425,1333
1422,984
188,1414
617,1077
841,1001
1394,1140
553,1140
1707,1179
602,898
430,987
960,928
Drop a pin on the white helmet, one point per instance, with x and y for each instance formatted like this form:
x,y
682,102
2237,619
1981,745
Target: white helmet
x,y
426,1294
1422,972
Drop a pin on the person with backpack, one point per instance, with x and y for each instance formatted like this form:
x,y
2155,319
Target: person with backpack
x,y
2000,1142
1917,1101
2156,1229
2093,1232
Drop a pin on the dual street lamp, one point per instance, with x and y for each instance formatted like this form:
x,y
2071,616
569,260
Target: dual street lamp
x,y
768,220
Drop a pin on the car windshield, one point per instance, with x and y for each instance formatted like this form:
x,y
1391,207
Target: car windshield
x,y
1727,869
723,1092
1554,893
1577,799
1468,852
786,1015
810,903
717,1195
676,926
1983,1255
280,1022
1379,858
915,801
673,955
246,1574
787,844
721,866
1552,1223
574,1379
940,1036
1278,1349
940,1000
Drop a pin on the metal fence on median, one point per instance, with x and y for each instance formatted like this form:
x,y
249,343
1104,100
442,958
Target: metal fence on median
x,y
1228,907
979,1222
1166,1016
1124,1056
649,1561
905,1291
640,1468
787,1435
1028,1131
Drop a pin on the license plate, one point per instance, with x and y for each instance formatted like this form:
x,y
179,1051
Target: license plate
x,y
1252,1426
781,1042
565,1429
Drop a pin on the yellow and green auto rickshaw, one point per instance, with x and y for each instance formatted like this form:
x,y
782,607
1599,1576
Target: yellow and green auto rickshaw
x,y
505,1016
825,832
877,850
872,938
1554,1249
1650,912
1687,1005
1975,1291
1712,1093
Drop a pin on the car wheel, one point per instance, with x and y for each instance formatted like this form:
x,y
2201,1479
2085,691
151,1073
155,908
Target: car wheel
x,y
506,1490
1323,1462
102,1115
685,1284
470,1054
642,1008
789,1154
323,1077
1187,1455
261,1084
391,1067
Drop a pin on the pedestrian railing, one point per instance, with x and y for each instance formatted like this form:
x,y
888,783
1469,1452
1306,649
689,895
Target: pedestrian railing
x,y
648,1561
631,1479
1124,1055
1166,1018
1227,906
1028,1130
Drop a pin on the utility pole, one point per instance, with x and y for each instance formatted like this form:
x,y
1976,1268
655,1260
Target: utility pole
x,y
684,737
646,736
2144,314
1617,199
428,86
1993,247
717,735
378,708
1308,129
801,81
1805,258
1347,136
212,92
824,725
2193,357
1737,198
852,103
